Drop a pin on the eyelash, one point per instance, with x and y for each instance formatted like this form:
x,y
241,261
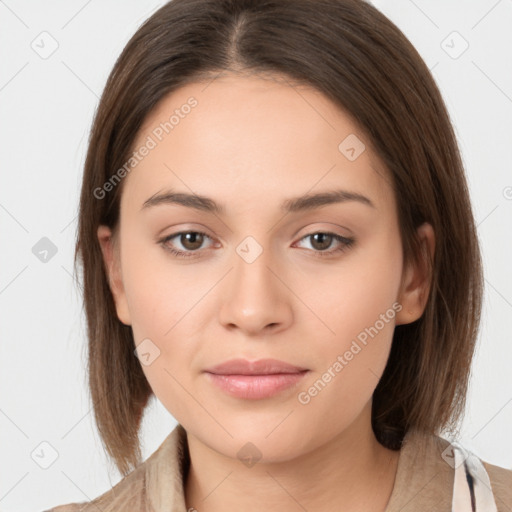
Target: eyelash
x,y
345,242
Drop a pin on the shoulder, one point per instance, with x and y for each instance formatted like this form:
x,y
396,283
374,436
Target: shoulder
x,y
127,494
137,491
72,507
501,483
426,476
500,478
424,480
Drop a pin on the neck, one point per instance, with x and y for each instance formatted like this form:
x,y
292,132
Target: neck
x,y
352,469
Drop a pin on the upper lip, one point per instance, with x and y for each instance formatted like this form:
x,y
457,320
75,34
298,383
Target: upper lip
x,y
259,367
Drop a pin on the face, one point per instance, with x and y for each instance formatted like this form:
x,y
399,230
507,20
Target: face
x,y
318,284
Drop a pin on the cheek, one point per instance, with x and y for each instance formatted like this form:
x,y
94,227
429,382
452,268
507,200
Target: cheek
x,y
351,296
164,300
159,292
162,321
357,305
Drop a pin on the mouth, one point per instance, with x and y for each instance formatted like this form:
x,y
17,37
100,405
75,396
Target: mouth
x,y
255,380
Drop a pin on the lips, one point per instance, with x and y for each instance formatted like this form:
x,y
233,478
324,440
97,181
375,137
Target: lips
x,y
260,367
253,380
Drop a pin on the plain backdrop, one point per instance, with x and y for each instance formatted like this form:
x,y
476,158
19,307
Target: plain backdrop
x,y
55,58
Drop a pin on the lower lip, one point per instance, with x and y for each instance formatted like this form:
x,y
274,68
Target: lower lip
x,y
256,386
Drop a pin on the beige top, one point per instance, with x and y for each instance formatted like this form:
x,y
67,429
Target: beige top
x,y
424,480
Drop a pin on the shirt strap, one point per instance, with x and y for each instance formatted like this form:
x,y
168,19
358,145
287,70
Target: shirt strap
x,y
472,491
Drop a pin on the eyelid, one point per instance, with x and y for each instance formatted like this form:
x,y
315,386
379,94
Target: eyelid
x,y
325,227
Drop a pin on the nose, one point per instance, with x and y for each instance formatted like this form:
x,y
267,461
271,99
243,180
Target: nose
x,y
255,298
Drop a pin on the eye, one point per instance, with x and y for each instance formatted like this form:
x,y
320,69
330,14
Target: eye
x,y
190,240
322,240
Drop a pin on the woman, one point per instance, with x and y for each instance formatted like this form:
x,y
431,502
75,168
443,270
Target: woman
x,y
277,242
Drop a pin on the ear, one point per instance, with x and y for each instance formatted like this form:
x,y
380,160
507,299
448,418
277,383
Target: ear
x,y
111,259
416,279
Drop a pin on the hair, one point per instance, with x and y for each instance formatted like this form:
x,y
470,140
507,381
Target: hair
x,y
363,63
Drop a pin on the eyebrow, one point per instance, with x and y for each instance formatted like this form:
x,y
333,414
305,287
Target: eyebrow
x,y
294,204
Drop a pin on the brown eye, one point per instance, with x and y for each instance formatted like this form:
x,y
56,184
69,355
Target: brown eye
x,y
189,243
321,241
191,240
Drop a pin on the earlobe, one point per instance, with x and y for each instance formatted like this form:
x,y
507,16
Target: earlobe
x,y
112,266
417,279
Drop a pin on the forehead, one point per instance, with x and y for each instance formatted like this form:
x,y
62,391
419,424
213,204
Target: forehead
x,y
244,140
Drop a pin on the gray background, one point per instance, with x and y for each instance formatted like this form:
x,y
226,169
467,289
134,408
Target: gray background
x,y
46,108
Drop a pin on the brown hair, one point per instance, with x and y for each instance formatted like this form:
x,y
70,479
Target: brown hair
x,y
361,61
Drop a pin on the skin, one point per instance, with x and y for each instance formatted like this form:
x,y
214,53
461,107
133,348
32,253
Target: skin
x,y
250,143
